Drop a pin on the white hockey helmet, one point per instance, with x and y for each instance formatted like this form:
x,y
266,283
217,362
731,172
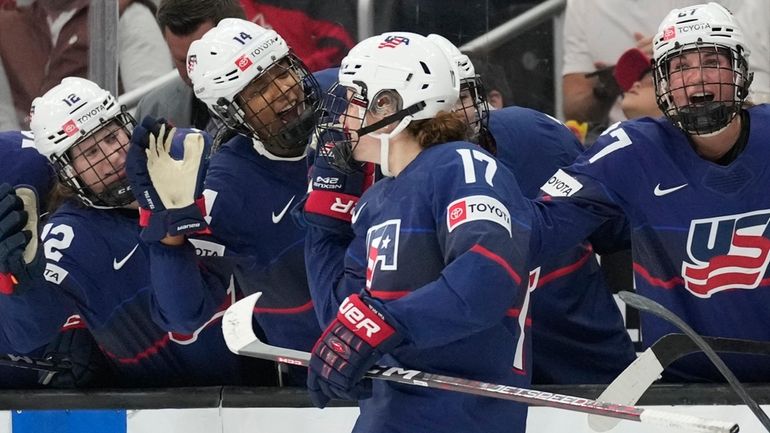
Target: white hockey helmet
x,y
65,116
234,54
477,112
465,68
706,28
407,63
408,67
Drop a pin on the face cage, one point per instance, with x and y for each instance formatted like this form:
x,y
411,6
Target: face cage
x,y
704,117
115,194
477,113
335,141
285,132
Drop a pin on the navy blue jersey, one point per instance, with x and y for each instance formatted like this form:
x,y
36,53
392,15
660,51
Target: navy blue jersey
x,y
443,245
249,196
699,230
98,259
578,335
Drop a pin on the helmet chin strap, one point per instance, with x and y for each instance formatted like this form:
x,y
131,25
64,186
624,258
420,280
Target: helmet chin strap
x,y
404,117
385,144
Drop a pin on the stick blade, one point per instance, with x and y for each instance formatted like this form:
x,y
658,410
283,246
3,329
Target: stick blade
x,y
627,388
236,323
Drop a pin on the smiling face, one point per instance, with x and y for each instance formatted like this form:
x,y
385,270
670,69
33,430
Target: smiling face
x,y
701,76
273,100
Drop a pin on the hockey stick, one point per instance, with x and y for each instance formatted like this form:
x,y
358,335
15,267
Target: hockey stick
x,y
27,363
48,366
649,306
240,339
632,383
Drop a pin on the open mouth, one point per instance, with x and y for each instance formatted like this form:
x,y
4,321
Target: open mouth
x,y
701,98
290,113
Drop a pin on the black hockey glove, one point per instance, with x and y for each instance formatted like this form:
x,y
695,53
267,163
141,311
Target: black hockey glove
x,y
20,258
89,366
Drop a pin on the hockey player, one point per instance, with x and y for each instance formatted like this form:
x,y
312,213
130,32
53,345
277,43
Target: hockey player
x,y
269,98
395,288
577,331
95,255
30,316
692,185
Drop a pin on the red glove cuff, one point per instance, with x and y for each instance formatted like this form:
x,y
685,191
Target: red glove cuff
x,y
364,321
145,214
7,283
332,204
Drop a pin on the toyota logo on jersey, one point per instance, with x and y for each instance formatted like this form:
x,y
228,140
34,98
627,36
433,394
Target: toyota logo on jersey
x,y
730,252
382,247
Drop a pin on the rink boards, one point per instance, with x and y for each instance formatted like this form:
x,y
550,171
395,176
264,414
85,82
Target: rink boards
x,y
270,410
299,420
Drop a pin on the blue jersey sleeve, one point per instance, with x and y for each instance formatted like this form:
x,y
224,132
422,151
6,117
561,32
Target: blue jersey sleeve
x,y
187,291
32,319
578,200
331,276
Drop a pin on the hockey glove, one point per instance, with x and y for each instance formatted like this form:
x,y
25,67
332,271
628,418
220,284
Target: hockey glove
x,y
76,347
350,346
333,195
166,167
20,258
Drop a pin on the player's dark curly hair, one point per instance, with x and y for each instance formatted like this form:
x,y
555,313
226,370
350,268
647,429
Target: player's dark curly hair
x,y
443,128
182,17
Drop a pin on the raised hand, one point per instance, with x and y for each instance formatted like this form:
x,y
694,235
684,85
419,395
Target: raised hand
x,y
166,167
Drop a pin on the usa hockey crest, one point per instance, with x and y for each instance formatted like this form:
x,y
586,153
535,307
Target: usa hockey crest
x,y
382,247
729,252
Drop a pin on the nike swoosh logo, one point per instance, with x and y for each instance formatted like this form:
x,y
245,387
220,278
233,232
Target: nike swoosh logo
x,y
356,212
119,264
277,218
661,192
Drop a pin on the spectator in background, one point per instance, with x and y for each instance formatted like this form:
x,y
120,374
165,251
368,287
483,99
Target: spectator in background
x,y
47,40
317,32
182,22
633,73
595,34
598,32
142,54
